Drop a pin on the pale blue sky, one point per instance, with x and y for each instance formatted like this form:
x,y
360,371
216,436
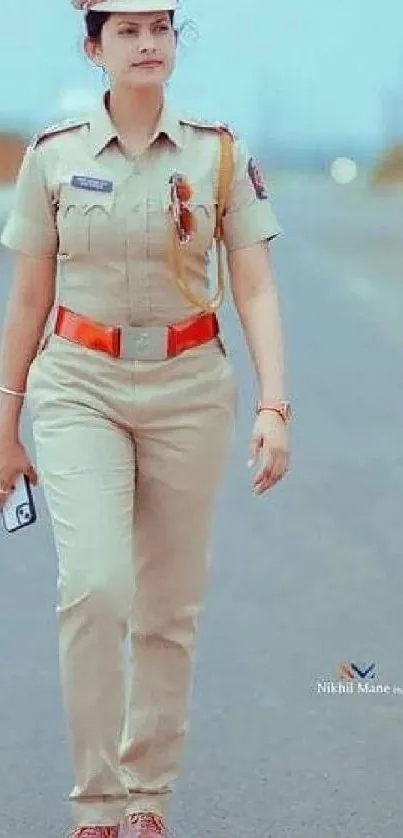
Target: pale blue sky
x,y
312,73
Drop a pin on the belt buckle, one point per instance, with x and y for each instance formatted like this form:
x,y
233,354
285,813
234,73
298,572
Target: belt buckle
x,y
142,343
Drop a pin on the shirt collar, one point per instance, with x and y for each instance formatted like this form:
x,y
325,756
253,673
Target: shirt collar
x,y
102,129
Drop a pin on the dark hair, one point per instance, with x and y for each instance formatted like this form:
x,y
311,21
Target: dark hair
x,y
94,22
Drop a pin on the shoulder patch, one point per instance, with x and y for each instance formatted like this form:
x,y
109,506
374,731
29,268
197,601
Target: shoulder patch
x,y
66,125
212,126
257,179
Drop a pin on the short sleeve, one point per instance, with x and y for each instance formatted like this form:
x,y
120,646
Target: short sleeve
x,y
250,217
31,224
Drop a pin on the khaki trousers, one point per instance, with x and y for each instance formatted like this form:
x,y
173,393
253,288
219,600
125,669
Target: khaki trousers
x,y
130,455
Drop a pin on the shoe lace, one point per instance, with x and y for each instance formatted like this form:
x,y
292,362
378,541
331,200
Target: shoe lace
x,y
95,832
147,821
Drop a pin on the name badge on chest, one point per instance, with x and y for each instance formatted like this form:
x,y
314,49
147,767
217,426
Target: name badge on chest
x,y
93,183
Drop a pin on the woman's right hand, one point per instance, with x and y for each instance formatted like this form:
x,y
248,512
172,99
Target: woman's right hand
x,y
13,462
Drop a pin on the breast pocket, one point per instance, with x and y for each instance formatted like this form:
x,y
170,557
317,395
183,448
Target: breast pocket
x,y
84,220
203,209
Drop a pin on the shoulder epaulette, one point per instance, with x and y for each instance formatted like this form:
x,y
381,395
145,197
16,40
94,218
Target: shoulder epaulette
x,y
213,126
66,125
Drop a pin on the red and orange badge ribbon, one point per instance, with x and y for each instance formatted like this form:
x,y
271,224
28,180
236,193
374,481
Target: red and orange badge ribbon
x,y
181,193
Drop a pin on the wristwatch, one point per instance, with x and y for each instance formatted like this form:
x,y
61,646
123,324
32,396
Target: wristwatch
x,y
282,407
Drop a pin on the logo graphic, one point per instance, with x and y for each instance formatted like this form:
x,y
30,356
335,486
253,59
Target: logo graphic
x,y
360,679
349,671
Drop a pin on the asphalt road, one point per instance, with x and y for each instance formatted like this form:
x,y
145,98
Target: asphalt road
x,y
305,577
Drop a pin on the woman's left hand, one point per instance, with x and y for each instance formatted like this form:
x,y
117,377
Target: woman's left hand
x,y
269,439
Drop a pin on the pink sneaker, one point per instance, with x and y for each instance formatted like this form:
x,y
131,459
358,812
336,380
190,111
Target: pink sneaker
x,y
143,825
95,832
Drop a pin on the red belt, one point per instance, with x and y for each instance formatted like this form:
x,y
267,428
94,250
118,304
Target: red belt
x,y
143,343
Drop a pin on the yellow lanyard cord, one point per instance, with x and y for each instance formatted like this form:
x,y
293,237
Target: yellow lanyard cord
x,y
175,254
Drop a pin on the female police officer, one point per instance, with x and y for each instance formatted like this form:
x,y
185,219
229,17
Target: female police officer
x,y
133,397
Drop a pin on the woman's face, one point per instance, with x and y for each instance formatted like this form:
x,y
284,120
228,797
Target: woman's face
x,y
130,39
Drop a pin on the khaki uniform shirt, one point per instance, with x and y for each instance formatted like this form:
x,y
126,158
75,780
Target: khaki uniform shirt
x,y
109,228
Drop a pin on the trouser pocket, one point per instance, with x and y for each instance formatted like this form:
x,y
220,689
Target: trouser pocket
x,y
43,344
222,345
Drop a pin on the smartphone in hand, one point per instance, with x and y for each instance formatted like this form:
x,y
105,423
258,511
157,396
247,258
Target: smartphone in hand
x,y
19,510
